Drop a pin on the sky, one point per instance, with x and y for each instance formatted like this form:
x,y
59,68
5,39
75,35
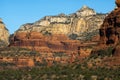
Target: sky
x,y
15,13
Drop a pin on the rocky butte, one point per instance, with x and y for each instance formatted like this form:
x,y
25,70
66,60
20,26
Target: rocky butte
x,y
4,34
110,30
60,33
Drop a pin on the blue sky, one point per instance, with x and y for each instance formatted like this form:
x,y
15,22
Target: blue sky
x,y
18,12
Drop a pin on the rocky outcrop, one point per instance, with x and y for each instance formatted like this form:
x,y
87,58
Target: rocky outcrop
x,y
58,34
4,35
85,11
44,43
85,22
118,3
110,30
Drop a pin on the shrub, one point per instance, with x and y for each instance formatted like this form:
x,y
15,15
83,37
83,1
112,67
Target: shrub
x,y
103,52
73,36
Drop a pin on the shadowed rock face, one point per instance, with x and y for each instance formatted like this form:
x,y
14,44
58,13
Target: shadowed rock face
x,y
110,30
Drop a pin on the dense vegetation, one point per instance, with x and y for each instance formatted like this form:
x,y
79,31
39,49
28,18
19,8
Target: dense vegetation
x,y
103,52
58,72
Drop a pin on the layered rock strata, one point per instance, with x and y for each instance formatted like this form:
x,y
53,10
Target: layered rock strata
x,y
54,34
84,23
44,43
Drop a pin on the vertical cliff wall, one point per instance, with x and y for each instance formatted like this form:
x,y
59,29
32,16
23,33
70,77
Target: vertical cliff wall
x,y
110,30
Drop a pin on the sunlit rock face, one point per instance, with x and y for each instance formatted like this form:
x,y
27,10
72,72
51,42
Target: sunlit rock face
x,y
85,22
118,3
4,34
61,33
85,11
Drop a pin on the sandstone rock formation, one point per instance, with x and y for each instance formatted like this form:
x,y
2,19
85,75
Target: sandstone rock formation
x,y
85,11
4,34
110,30
44,43
118,3
54,34
117,51
84,23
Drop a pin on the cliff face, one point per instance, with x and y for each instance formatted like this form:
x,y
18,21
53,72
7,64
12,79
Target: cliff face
x,y
4,35
118,3
44,43
54,34
85,20
110,30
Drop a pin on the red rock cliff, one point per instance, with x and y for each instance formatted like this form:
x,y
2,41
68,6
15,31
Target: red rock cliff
x,y
110,30
44,43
